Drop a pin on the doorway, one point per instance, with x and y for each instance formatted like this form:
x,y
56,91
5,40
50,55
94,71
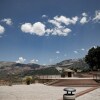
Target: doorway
x,y
69,74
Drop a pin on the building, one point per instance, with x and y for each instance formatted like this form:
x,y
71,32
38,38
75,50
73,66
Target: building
x,y
64,69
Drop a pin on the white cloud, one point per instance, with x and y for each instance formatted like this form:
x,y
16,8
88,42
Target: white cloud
x,y
97,16
34,61
27,27
95,46
74,20
43,16
65,20
83,49
59,29
57,52
54,22
2,29
60,23
49,31
37,28
8,21
44,64
20,60
83,20
84,14
75,52
62,19
66,31
61,32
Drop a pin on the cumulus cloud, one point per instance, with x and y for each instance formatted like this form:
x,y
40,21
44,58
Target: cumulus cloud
x,y
58,28
44,64
84,18
75,52
43,16
54,22
84,14
37,28
95,46
57,52
65,20
97,16
48,31
59,25
20,60
27,27
83,49
8,21
2,29
61,32
34,61
74,20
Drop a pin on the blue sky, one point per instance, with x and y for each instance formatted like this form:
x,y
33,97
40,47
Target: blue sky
x,y
48,31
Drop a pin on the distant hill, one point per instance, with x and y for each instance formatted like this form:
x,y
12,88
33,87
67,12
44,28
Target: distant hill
x,y
4,63
21,70
9,68
74,64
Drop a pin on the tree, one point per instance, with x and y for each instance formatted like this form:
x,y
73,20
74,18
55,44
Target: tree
x,y
28,80
63,73
93,58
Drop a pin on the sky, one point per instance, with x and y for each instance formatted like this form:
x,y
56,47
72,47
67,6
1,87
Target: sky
x,y
48,31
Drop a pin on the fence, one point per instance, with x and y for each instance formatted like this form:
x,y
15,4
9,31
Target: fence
x,y
49,76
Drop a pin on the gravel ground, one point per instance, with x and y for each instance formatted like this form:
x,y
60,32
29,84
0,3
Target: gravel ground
x,y
34,92
93,95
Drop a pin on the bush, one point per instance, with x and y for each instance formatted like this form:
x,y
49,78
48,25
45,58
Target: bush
x,y
28,80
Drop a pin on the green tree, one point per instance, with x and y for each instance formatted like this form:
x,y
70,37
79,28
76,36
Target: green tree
x,y
63,73
93,58
28,80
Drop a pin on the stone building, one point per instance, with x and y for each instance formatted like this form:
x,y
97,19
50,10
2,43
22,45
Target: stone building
x,y
65,70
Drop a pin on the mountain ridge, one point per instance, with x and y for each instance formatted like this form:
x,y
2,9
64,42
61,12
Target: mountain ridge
x,y
7,68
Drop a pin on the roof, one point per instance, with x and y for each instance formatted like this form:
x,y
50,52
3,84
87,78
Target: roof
x,y
68,70
66,65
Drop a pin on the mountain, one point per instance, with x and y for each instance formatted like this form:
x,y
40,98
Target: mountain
x,y
74,64
12,68
4,63
22,70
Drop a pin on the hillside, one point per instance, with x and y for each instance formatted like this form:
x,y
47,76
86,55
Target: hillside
x,y
12,68
74,64
21,70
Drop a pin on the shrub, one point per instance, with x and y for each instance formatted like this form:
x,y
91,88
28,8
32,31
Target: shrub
x,y
28,80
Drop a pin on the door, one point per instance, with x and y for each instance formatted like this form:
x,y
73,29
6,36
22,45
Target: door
x,y
69,74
